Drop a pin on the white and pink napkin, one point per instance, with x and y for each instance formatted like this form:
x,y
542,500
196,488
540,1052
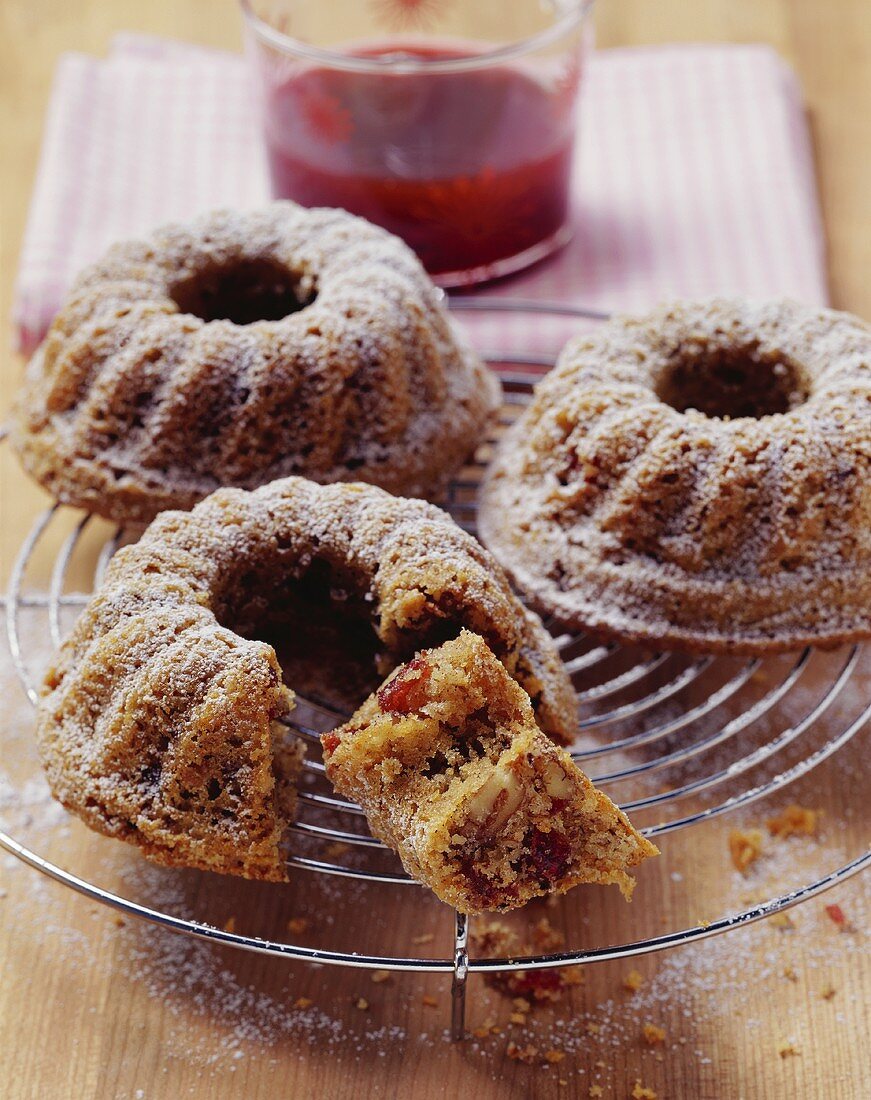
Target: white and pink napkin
x,y
694,176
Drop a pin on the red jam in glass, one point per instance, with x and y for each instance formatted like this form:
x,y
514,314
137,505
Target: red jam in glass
x,y
471,167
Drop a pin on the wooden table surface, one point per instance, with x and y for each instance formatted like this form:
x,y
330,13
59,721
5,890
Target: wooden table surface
x,y
93,1007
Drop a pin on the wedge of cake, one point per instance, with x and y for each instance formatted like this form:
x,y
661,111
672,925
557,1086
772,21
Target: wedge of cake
x,y
452,771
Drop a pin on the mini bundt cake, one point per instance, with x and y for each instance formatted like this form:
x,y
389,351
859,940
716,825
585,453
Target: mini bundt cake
x,y
246,347
698,478
159,722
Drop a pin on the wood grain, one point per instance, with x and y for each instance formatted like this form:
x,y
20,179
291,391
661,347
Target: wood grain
x,y
90,1008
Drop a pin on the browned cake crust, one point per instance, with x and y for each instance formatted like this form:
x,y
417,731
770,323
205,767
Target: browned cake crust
x,y
454,774
698,478
157,723
246,347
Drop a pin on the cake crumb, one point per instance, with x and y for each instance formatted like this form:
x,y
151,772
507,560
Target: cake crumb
x,y
489,1027
230,924
781,920
554,1056
790,974
592,1029
527,1054
546,937
837,917
787,1049
119,922
633,981
379,976
303,1002
653,1034
495,938
596,1091
517,1018
424,937
704,923
641,1092
828,992
362,1004
428,1000
297,925
745,847
794,821
521,1004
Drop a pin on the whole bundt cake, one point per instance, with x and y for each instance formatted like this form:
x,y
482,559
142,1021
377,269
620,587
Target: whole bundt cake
x,y
245,347
159,722
698,478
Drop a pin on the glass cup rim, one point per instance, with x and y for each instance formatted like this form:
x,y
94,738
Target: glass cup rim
x,y
574,15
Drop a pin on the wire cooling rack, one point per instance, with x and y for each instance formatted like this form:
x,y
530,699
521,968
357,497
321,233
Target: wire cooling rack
x,y
641,713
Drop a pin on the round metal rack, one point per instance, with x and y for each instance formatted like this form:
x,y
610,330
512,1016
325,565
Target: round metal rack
x,y
641,712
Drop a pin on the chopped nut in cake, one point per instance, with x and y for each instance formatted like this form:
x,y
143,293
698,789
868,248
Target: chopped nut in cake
x,y
453,773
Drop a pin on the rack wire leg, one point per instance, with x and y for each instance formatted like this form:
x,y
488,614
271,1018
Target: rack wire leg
x,y
461,973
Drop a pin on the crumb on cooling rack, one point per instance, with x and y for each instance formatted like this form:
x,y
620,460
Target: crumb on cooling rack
x,y
633,981
379,976
795,820
492,938
297,925
230,924
591,1028
652,1034
495,939
790,974
782,920
554,1057
838,918
641,1092
362,1004
545,937
745,847
424,937
595,1091
787,1049
429,1001
303,1002
828,992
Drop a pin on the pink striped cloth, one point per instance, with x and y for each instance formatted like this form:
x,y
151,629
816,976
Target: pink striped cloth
x,y
694,177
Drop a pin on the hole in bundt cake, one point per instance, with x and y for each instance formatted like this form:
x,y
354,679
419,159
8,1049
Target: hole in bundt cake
x,y
316,618
243,292
731,383
321,621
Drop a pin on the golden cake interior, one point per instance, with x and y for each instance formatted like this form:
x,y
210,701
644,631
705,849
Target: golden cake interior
x,y
454,774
